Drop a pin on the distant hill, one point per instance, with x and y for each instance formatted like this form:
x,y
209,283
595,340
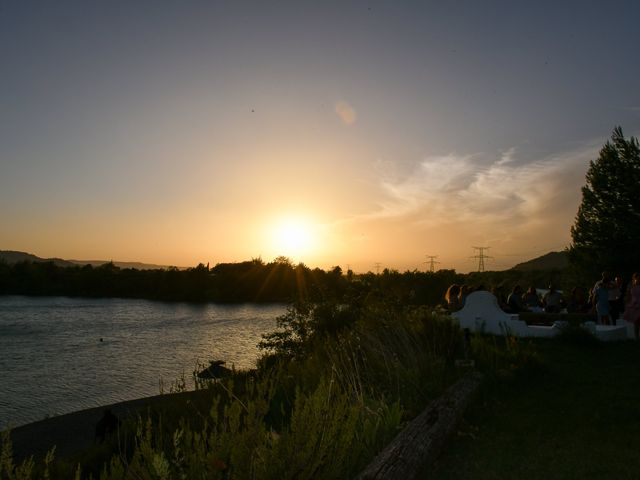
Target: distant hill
x,y
136,265
550,261
12,256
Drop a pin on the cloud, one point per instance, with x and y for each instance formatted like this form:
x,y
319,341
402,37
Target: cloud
x,y
503,193
429,187
346,113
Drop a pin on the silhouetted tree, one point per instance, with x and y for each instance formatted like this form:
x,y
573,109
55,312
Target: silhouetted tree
x,y
282,260
606,232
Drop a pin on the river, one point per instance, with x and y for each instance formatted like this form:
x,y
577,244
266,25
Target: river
x,y
59,354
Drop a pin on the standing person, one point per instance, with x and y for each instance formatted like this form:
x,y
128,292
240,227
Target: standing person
x,y
601,298
632,310
616,299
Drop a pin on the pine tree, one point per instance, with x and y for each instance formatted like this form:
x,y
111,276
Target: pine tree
x,y
606,233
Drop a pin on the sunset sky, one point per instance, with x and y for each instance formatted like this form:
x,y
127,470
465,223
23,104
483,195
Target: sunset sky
x,y
334,133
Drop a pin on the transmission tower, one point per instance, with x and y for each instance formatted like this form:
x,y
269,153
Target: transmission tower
x,y
377,265
431,261
481,257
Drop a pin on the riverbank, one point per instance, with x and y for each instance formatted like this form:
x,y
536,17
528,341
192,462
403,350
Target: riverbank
x,y
73,433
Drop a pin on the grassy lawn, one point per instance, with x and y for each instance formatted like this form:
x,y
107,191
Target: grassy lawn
x,y
576,416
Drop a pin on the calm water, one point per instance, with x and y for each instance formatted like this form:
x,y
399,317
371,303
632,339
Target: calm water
x,y
53,362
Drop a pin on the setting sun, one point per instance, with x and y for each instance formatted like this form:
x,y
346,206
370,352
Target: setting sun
x,y
293,238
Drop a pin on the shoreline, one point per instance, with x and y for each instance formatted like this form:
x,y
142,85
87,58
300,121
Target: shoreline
x,y
71,433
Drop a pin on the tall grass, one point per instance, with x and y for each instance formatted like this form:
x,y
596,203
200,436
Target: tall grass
x,y
26,469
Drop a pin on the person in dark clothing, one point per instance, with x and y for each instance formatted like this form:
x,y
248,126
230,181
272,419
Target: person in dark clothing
x,y
107,425
514,302
578,301
531,299
616,299
552,300
452,297
498,292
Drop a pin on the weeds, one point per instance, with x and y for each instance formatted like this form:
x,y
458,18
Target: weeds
x,y
26,470
494,354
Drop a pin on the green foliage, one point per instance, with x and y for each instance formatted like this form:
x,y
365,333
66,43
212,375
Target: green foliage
x,y
324,438
27,469
401,356
294,330
304,323
329,436
379,351
607,227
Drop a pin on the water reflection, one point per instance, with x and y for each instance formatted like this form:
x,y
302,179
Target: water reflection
x,y
53,362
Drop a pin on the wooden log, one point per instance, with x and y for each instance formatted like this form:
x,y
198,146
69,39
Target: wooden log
x,y
420,442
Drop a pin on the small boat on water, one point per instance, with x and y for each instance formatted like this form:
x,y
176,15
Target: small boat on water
x,y
215,370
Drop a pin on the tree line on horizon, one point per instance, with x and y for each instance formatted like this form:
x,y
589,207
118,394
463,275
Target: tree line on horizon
x,y
252,281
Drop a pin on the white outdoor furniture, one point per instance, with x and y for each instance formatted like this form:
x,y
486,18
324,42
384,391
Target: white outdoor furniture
x,y
481,313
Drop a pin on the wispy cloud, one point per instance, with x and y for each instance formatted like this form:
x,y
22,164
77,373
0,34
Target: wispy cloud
x,y
500,192
346,113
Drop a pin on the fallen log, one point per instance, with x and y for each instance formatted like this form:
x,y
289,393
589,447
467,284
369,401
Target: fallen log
x,y
420,442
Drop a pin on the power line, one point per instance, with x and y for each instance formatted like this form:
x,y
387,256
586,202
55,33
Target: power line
x,y
481,257
431,261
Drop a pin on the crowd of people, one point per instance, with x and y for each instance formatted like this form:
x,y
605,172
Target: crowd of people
x,y
610,299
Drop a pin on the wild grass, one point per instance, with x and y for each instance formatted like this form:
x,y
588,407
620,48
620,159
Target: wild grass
x,y
27,469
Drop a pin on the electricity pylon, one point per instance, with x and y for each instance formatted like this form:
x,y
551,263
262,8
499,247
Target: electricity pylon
x,y
481,257
431,261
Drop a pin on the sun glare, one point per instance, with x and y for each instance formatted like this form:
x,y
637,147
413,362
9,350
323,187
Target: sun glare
x,y
293,238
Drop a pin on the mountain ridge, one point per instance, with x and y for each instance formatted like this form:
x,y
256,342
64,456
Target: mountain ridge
x,y
15,256
548,261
